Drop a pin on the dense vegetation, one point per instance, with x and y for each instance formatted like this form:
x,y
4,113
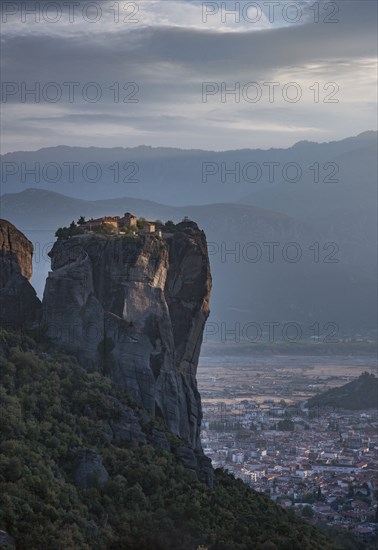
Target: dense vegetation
x,y
71,231
50,406
356,395
75,228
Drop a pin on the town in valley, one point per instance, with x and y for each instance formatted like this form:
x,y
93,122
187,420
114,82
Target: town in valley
x,y
320,462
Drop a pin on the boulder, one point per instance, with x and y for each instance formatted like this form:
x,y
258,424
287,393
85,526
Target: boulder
x,y
88,469
6,541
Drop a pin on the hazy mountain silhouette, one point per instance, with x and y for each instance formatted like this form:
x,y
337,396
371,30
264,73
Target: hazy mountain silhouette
x,y
181,177
329,214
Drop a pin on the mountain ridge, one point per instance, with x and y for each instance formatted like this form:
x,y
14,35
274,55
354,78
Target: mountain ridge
x,y
167,175
362,135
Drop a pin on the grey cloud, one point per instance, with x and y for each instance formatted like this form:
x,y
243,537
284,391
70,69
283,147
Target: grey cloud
x,y
204,53
170,64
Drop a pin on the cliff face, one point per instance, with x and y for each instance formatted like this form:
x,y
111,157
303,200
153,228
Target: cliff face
x,y
15,249
19,304
136,309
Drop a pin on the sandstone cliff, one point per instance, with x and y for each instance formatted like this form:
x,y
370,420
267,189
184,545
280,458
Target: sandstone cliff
x,y
136,309
19,304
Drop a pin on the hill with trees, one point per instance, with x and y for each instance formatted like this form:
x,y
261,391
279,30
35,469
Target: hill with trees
x,y
70,479
359,394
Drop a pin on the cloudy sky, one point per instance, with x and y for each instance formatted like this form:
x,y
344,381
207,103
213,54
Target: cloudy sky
x,y
186,73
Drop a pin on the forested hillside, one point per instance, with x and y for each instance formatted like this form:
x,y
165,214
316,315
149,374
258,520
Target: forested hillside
x,y
72,478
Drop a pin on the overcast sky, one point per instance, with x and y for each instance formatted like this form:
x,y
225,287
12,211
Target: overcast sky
x,y
134,73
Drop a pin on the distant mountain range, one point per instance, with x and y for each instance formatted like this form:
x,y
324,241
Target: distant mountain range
x,y
182,177
359,394
280,252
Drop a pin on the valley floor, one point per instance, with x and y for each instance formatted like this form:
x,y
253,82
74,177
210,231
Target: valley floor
x,y
322,463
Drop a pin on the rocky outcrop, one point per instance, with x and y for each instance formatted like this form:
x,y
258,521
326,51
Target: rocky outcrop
x,y
159,440
19,305
198,463
14,243
187,293
6,541
125,427
89,470
136,308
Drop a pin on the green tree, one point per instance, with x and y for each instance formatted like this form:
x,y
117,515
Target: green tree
x,y
307,512
141,223
286,425
170,226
